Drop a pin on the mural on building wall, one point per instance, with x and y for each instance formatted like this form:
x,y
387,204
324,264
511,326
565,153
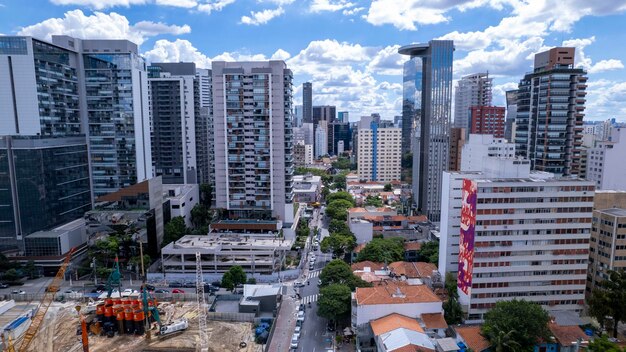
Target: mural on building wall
x,y
466,240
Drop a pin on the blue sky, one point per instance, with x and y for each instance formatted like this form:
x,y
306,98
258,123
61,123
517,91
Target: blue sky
x,y
348,48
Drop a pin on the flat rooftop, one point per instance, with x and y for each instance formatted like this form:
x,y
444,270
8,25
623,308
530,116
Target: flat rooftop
x,y
614,211
234,241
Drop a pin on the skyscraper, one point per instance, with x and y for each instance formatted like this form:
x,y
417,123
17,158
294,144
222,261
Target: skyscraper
x,y
116,111
550,111
177,124
253,138
307,102
511,112
471,90
379,153
427,103
325,113
343,116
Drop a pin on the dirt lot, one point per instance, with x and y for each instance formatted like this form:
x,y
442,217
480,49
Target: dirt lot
x,y
58,333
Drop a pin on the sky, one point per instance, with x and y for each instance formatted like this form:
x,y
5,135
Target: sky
x,y
348,48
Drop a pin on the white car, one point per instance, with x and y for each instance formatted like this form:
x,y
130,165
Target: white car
x,y
298,284
301,315
127,292
20,292
298,330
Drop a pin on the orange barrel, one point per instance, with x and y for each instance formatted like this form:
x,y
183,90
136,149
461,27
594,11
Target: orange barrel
x,y
117,309
139,322
100,312
124,301
116,301
136,302
120,321
108,301
129,324
108,313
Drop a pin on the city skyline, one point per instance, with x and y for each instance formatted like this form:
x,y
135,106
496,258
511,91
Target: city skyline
x,y
337,56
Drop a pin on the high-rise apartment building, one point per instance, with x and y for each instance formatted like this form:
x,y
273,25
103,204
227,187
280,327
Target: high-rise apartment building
x,y
550,111
608,245
524,238
204,127
307,102
252,104
343,116
341,134
297,116
44,182
471,90
426,104
116,111
321,139
487,120
511,113
302,154
379,153
177,124
479,147
457,140
605,162
326,113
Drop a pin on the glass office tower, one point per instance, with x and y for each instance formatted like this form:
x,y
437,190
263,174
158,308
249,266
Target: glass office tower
x,y
427,104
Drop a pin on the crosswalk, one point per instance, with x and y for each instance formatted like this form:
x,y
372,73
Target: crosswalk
x,y
309,299
313,274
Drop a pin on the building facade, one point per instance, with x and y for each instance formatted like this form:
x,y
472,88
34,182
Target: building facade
x,y
457,140
379,153
524,238
511,113
550,111
605,166
326,113
487,120
321,139
427,105
341,135
471,90
253,138
302,154
480,147
608,245
307,102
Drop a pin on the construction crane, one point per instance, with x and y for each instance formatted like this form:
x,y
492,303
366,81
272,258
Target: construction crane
x,y
204,337
45,303
114,279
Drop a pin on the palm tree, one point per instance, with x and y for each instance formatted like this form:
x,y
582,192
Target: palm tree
x,y
501,340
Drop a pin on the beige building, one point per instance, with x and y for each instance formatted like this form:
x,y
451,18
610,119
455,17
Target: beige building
x,y
457,140
379,153
609,199
608,245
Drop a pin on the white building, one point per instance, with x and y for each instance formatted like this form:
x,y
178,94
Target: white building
x,y
363,230
480,147
306,188
321,139
379,153
471,90
524,238
182,199
606,166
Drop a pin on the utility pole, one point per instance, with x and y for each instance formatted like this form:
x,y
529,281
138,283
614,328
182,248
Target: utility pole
x,y
95,273
143,275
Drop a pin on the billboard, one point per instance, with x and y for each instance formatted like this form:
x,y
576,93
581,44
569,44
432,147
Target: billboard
x,y
466,240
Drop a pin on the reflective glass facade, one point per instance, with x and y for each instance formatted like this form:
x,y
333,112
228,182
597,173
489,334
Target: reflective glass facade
x,y
427,103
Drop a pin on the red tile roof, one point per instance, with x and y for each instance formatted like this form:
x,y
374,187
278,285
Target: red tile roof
x,y
434,321
472,337
411,348
413,269
567,335
391,293
412,246
394,321
359,247
367,263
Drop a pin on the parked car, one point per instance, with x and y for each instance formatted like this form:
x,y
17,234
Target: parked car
x,y
18,292
149,287
3,285
177,290
302,307
301,315
294,340
298,284
216,284
175,284
127,292
297,330
160,290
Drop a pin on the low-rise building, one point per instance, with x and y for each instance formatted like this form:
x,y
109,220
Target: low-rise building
x,y
260,299
307,188
182,199
371,211
470,338
396,333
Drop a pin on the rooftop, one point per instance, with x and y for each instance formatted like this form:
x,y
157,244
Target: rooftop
x,y
434,321
413,269
130,191
412,246
367,264
233,241
371,210
614,211
472,337
391,293
394,321
567,335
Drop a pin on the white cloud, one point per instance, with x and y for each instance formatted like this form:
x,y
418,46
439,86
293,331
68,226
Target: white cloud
x,y
403,14
177,51
605,99
261,17
330,5
387,61
353,11
606,65
101,26
214,5
178,3
277,2
99,4
280,54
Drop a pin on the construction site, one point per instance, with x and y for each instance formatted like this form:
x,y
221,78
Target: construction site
x,y
115,322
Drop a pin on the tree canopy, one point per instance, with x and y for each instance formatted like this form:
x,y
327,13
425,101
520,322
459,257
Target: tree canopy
x,y
338,272
609,300
516,325
338,243
338,226
603,345
233,277
342,163
373,201
453,312
388,187
340,195
334,302
429,252
338,209
174,230
382,250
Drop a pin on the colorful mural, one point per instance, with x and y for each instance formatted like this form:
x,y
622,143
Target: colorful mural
x,y
466,241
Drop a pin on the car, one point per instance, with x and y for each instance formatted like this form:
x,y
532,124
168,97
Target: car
x,y
160,290
299,323
217,284
149,287
3,285
298,330
69,292
311,266
177,290
127,292
302,307
18,292
294,340
175,284
189,284
298,284
301,315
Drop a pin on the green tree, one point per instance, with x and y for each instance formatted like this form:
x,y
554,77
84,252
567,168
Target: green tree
x,y
200,215
325,192
373,201
407,161
30,270
251,281
338,209
338,226
521,322
388,187
610,300
341,163
603,345
174,230
339,244
429,252
452,311
340,182
233,277
503,340
341,195
382,250
338,272
334,302
11,275
206,193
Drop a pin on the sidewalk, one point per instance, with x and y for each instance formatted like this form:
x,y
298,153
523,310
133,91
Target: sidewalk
x,y
285,324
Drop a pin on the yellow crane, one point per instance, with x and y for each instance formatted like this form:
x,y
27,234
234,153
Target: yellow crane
x,y
45,303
